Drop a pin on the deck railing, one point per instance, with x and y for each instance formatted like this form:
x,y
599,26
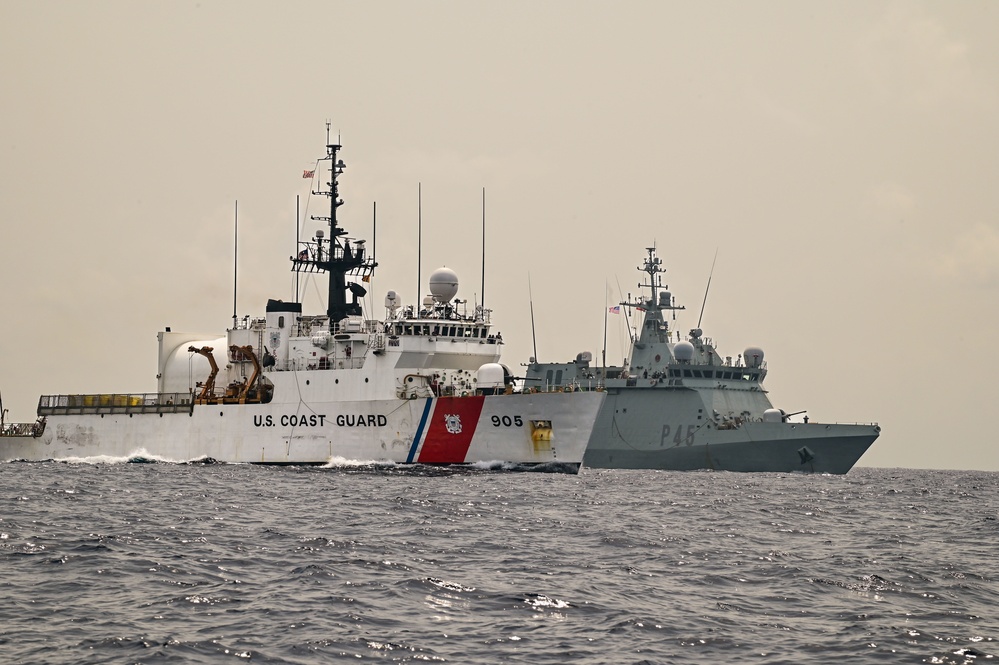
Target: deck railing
x,y
115,403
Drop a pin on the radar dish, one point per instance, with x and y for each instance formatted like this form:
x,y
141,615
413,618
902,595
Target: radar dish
x,y
753,356
684,351
443,284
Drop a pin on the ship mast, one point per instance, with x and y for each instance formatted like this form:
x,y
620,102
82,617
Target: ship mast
x,y
652,267
661,298
335,254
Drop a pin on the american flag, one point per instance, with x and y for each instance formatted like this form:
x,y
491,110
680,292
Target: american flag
x,y
308,174
616,309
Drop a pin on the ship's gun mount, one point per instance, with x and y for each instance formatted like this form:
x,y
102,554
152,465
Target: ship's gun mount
x,y
781,416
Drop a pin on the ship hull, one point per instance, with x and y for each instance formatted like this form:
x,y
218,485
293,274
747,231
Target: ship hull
x,y
668,430
527,429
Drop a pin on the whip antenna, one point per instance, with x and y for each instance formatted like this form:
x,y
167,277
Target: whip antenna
x,y
705,301
534,338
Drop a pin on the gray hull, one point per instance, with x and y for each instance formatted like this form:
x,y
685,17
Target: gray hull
x,y
667,429
683,405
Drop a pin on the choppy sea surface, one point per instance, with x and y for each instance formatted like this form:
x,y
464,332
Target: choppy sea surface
x,y
156,563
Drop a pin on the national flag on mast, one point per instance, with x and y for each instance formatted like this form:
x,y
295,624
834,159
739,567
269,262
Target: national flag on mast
x,y
308,174
616,309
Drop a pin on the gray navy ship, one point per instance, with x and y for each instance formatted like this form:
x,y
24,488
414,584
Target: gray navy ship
x,y
677,404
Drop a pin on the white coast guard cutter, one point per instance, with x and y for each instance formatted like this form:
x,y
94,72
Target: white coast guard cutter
x,y
422,385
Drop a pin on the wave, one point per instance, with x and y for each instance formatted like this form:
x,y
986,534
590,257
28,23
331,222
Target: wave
x,y
337,462
137,456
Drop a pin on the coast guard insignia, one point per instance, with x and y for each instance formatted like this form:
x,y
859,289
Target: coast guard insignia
x,y
452,422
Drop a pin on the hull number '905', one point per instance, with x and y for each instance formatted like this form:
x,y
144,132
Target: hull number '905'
x,y
507,421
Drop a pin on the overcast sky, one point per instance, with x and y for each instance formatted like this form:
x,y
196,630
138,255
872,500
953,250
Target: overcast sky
x,y
842,158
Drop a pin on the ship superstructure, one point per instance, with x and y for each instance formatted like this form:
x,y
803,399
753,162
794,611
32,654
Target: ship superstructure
x,y
678,404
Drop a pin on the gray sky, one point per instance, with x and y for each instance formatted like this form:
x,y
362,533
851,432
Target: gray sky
x,y
842,158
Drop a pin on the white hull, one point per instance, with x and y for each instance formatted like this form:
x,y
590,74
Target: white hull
x,y
423,385
439,430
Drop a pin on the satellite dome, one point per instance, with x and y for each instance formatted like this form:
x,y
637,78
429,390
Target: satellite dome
x,y
392,300
443,284
753,356
684,351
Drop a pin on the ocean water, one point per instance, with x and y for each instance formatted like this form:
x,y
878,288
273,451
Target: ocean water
x,y
157,563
